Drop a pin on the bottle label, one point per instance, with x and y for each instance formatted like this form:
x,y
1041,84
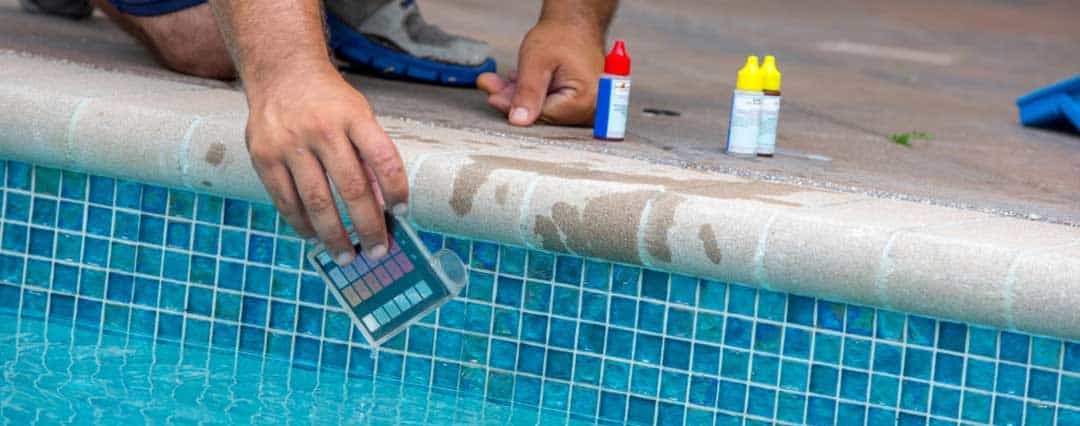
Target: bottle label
x,y
770,115
745,122
612,107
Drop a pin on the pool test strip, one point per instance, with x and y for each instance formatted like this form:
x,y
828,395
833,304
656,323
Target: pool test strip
x,y
385,296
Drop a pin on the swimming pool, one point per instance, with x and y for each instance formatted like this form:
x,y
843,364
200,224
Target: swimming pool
x,y
205,304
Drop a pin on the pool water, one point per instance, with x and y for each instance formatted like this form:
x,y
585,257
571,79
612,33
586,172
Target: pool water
x,y
55,372
196,305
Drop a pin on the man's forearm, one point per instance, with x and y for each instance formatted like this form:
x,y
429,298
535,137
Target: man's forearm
x,y
595,14
271,38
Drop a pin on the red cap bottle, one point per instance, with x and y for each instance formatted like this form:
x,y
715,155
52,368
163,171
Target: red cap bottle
x,y
618,61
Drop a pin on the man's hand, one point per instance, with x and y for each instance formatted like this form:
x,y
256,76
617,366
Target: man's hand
x,y
559,64
305,127
306,123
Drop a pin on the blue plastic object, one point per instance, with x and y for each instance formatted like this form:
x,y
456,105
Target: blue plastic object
x,y
360,51
1055,106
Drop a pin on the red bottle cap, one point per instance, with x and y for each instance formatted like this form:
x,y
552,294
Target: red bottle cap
x,y
618,61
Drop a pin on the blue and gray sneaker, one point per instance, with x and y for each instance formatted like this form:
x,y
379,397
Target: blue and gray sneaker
x,y
71,9
393,39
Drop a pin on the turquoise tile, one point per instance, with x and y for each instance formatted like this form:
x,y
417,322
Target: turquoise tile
x,y
860,320
236,213
796,343
917,363
742,300
680,323
1046,352
568,270
1014,347
263,217
764,369
624,279
512,260
823,380
771,305
17,207
921,330
703,390
647,348
154,199
19,175
1042,385
731,396
182,204
856,352
146,292
566,301
1007,410
654,284
827,348
208,208
800,310
102,190
537,294
1011,379
790,407
830,315
683,290
948,368
46,180
541,265
485,256
850,414
735,364
71,216
914,395
767,338
761,402
650,317
44,212
1071,358
884,390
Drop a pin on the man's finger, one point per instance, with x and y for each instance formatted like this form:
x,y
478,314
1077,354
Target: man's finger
x,y
319,204
490,83
351,181
379,153
534,76
279,184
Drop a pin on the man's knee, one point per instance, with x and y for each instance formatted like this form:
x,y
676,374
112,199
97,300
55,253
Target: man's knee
x,y
186,41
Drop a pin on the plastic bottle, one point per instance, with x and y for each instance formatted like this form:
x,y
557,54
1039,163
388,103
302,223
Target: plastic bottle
x,y
745,111
613,98
770,107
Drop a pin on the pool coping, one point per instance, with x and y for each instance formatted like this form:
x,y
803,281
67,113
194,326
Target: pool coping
x,y
943,262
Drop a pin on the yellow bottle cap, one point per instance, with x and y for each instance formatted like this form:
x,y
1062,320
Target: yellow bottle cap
x,y
750,76
770,74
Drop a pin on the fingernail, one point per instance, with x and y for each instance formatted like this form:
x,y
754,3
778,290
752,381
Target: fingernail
x,y
344,258
400,209
376,252
519,115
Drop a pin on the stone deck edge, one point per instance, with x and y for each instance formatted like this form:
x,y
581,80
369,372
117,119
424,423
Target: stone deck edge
x,y
947,263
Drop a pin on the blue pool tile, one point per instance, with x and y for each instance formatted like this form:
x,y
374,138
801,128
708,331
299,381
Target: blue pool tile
x,y
568,270
917,363
35,303
485,255
860,320
856,352
1011,379
654,284
541,265
38,273
527,390
709,327
760,402
102,190
122,257
19,175
173,296
537,294
478,318
566,301
236,213
283,284
616,375
1014,347
260,249
474,349
126,226
680,322
148,260
119,287
703,390
282,316
823,380
200,301
738,332
69,247
530,359
91,283
41,242
948,368
921,330
263,217
65,278
587,369
884,390
154,199
672,414
801,310
146,292
677,354
1071,360
312,289
555,395
44,212
460,247
561,333
71,216
170,327
11,269
980,374
205,240
1038,414
143,322
854,385
506,323
197,332
208,208
306,352
227,306
945,402
650,317
645,380
46,180
230,275
673,385
17,207
89,312
1042,384
128,194
641,410
796,343
952,336
712,295
914,395
61,307
911,419
731,396
151,229
790,407
257,280
771,305
623,311
202,270
233,244
533,327
976,407
1046,352
887,358
1070,390
734,364
850,414
253,311
827,348
509,291
624,279
309,321
821,410
558,364
612,406
647,349
830,315
1066,416
512,260
1007,410
764,369
481,287
597,275
683,290
582,401
742,300
15,237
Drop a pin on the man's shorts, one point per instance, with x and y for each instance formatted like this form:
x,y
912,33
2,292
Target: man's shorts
x,y
153,7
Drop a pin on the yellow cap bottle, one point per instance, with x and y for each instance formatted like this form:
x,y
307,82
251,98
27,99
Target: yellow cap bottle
x,y
770,74
750,76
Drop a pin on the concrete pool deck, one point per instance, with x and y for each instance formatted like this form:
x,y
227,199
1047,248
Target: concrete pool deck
x,y
104,104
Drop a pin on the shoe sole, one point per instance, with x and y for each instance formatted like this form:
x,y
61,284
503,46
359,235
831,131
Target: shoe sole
x,y
358,50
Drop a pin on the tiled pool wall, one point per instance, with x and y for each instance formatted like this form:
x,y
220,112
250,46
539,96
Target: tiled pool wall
x,y
577,336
